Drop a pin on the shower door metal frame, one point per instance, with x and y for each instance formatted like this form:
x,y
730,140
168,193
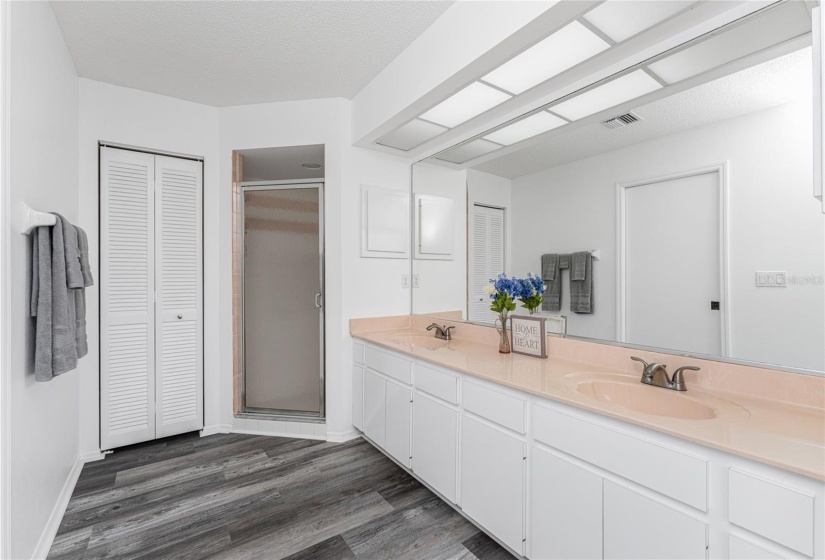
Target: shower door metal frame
x,y
320,302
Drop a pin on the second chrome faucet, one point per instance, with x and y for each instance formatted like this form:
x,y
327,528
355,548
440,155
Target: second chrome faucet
x,y
656,374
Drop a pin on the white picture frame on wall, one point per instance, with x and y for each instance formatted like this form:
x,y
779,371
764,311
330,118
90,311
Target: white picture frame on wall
x,y
434,228
385,223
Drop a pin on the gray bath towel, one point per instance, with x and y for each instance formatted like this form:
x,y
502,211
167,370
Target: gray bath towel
x,y
55,334
551,275
581,282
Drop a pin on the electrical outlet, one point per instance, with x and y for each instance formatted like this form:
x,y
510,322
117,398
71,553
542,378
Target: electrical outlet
x,y
416,283
405,281
771,278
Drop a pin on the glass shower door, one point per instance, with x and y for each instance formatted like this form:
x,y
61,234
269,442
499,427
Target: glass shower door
x,y
282,302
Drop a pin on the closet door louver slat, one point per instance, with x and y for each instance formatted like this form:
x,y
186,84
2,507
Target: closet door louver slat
x,y
179,285
127,269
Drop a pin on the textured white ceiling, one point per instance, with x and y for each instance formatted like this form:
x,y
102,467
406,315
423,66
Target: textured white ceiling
x,y
234,53
279,164
760,87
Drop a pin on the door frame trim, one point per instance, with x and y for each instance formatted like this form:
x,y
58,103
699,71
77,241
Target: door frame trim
x,y
721,170
274,414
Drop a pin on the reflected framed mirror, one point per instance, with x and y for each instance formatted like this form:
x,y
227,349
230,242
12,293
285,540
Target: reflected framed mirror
x,y
678,193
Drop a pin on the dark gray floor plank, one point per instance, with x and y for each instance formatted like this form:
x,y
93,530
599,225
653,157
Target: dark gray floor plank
x,y
237,496
485,548
334,548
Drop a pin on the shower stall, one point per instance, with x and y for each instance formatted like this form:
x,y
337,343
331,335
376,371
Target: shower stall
x,y
282,299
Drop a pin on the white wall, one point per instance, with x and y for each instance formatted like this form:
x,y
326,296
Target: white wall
x,y
126,116
43,430
775,224
354,286
443,283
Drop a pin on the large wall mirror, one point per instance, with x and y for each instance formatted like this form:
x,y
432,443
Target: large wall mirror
x,y
688,180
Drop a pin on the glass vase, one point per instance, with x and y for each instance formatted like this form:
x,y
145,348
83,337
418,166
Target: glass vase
x,y
504,341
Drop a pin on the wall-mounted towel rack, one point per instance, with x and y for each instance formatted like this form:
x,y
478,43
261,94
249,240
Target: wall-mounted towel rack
x,y
596,254
28,218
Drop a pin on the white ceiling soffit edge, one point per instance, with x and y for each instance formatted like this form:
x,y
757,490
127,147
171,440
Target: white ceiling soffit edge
x,y
450,55
670,34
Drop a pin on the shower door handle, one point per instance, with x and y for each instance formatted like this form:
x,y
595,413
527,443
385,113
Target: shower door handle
x,y
319,301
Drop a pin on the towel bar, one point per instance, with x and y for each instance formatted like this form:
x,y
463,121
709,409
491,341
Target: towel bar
x,y
28,218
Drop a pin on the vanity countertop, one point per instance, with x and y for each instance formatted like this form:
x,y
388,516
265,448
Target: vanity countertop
x,y
776,432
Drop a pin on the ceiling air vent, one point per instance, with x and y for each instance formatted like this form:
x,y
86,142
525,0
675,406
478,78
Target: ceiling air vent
x,y
622,120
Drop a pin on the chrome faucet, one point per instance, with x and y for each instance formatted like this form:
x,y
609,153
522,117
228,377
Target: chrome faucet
x,y
441,332
656,375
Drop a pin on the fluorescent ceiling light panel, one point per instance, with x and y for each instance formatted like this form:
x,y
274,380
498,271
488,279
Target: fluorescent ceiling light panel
x,y
621,20
629,86
776,26
466,104
468,151
563,49
411,135
525,128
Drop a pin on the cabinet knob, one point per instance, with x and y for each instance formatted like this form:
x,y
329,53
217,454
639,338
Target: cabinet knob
x,y
180,316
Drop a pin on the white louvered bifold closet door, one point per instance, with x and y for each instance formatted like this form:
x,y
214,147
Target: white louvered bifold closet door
x,y
179,294
486,259
127,307
151,297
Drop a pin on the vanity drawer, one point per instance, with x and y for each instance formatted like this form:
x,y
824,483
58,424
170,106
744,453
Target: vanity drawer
x,y
501,408
436,383
389,364
358,352
776,512
673,473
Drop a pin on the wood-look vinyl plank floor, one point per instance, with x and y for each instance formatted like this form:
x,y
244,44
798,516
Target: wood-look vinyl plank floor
x,y
239,497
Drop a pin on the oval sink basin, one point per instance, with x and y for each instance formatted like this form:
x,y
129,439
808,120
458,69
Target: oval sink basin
x,y
645,399
421,341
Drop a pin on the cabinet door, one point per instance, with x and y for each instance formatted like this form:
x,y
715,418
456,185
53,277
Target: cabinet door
x,y
641,528
566,509
435,444
492,480
179,296
398,422
374,407
127,306
358,397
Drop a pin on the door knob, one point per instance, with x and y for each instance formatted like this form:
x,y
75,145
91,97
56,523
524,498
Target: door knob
x,y
180,316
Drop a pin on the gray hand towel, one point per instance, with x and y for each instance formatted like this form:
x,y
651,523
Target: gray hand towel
x,y
578,264
83,251
80,293
71,252
581,290
551,275
55,333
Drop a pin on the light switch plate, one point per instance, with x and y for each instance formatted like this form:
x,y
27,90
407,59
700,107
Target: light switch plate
x,y
771,279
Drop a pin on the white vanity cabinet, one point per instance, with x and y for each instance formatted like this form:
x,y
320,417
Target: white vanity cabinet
x,y
435,444
398,421
643,528
552,481
492,480
566,509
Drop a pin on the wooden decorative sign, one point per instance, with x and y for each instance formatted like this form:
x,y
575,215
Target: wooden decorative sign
x,y
527,336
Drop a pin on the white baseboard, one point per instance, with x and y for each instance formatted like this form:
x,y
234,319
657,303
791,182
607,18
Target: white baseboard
x,y
341,437
50,530
278,434
216,429
94,455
